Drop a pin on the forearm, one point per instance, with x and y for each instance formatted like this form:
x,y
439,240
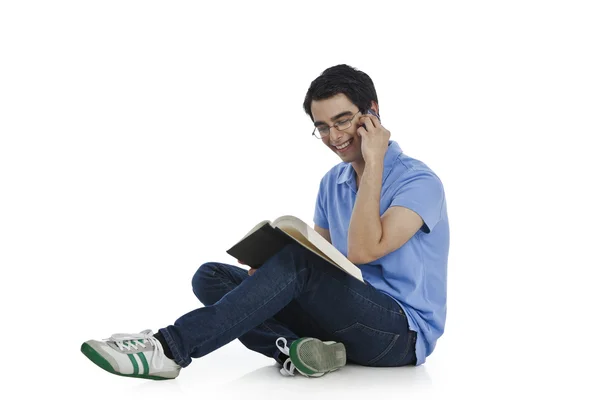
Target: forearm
x,y
365,230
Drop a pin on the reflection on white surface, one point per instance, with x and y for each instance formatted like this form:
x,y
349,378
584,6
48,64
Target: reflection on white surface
x,y
233,371
350,378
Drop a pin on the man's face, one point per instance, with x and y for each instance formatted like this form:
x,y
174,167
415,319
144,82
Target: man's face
x,y
338,109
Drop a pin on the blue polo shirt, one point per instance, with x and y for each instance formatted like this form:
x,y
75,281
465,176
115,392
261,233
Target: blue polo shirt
x,y
415,274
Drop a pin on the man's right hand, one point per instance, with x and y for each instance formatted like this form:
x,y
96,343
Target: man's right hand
x,y
251,270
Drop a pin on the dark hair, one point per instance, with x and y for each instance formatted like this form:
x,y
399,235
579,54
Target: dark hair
x,y
345,79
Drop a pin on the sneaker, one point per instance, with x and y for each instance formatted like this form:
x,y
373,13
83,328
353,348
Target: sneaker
x,y
128,354
311,357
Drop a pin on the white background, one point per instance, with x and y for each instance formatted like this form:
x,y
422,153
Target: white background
x,y
140,139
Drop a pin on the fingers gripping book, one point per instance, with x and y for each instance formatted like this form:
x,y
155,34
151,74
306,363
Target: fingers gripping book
x,y
267,238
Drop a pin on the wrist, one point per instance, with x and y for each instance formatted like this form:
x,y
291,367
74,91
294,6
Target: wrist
x,y
374,163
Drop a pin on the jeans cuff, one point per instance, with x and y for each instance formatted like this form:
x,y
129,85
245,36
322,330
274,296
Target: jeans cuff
x,y
174,350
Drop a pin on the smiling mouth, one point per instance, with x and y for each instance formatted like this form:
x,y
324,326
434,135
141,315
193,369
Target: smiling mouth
x,y
346,144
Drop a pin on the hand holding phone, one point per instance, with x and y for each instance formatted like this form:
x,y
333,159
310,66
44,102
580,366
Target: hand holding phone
x,y
374,141
369,111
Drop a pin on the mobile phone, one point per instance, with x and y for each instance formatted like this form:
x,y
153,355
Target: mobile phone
x,y
369,111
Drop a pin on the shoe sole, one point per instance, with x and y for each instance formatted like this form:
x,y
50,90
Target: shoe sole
x,y
323,356
97,359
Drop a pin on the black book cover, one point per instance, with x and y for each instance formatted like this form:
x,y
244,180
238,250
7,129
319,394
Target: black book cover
x,y
258,247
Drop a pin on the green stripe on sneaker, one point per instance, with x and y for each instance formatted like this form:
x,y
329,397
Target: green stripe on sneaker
x,y
135,364
145,370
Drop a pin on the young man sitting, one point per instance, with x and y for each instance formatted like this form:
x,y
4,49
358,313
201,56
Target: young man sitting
x,y
385,211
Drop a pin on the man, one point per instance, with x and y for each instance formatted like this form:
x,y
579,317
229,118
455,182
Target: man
x,y
381,208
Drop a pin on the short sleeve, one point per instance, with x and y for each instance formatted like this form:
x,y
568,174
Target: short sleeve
x,y
320,218
423,193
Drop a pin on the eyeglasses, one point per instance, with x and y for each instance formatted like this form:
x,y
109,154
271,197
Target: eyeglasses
x,y
324,130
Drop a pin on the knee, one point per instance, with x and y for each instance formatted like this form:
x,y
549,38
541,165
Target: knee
x,y
203,279
293,249
295,252
292,257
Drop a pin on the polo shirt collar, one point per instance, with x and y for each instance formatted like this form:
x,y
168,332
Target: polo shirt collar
x,y
347,172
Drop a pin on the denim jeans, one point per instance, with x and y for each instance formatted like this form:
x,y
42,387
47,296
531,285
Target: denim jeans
x,y
294,294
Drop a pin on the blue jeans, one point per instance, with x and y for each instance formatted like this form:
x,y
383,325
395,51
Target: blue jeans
x,y
294,294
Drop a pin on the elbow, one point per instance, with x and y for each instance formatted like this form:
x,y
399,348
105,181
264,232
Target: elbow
x,y
358,258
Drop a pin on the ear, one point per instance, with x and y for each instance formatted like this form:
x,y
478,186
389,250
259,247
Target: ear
x,y
375,106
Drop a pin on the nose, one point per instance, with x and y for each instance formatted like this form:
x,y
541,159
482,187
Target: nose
x,y
335,136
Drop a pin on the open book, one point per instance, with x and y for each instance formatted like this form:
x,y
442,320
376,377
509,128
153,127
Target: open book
x,y
267,238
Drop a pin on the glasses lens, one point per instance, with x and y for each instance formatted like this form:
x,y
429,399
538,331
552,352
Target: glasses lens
x,y
321,132
344,124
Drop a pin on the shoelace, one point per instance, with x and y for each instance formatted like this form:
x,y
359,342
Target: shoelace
x,y
288,367
128,341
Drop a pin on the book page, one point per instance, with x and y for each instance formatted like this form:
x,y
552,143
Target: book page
x,y
309,238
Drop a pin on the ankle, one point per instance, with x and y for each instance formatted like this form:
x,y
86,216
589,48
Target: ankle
x,y
164,344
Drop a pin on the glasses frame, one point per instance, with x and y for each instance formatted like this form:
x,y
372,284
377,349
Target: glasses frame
x,y
336,126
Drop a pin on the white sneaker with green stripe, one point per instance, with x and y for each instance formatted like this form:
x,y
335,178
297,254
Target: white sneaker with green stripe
x,y
311,357
137,355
